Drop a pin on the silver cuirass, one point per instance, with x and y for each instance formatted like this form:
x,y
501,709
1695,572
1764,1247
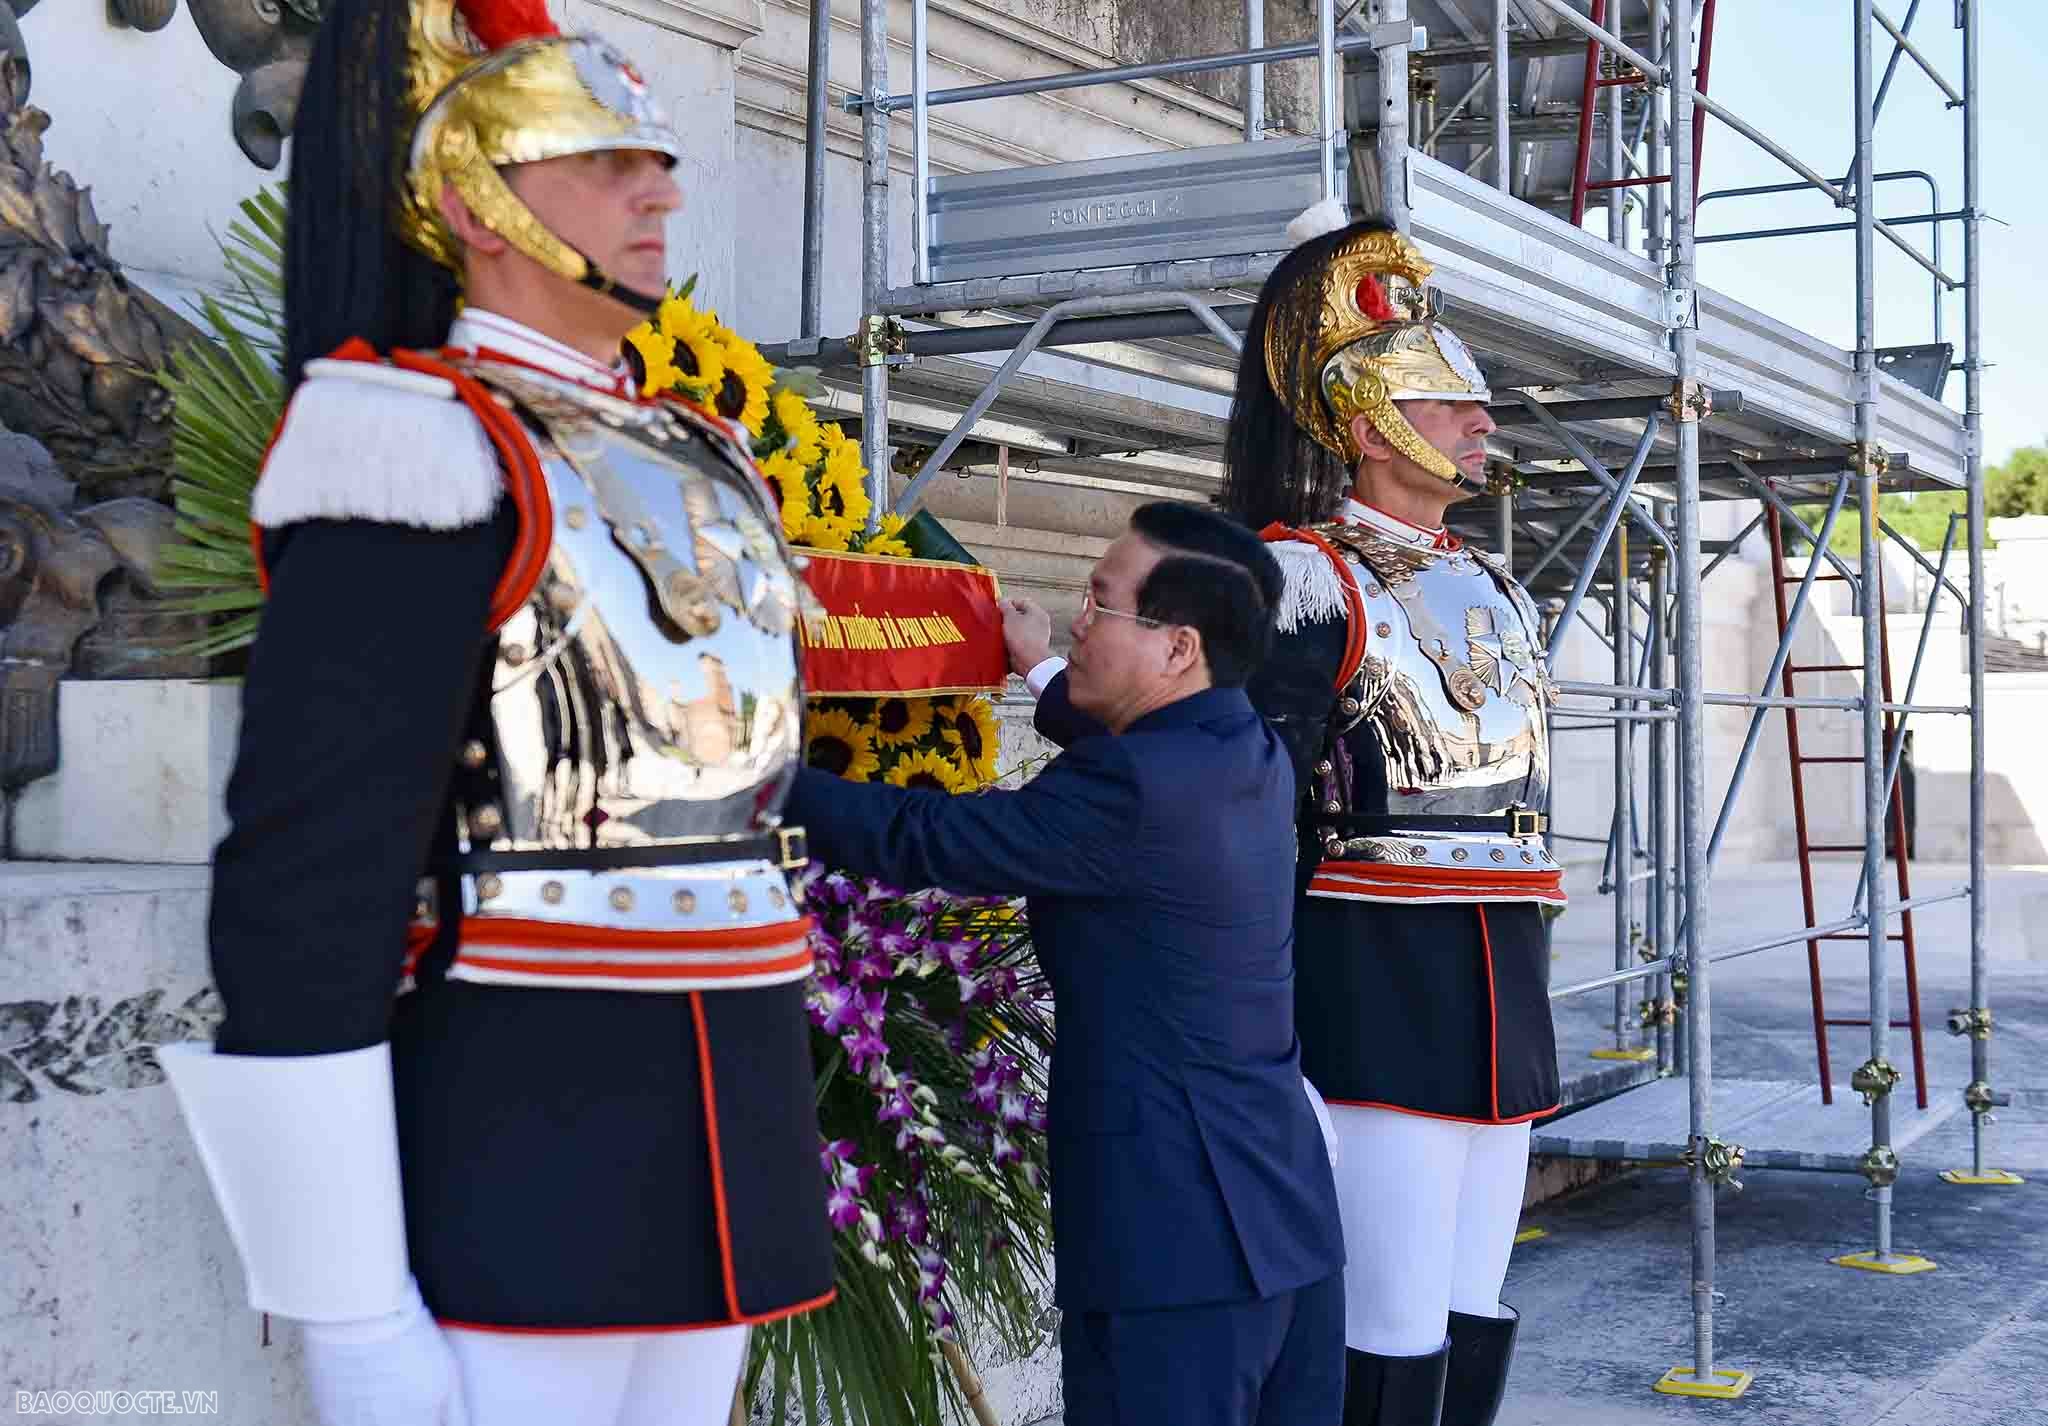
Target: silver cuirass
x,y
1453,682
645,703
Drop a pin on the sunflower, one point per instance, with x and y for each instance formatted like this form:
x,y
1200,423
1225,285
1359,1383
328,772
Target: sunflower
x,y
748,377
888,539
787,476
699,355
836,743
799,427
675,313
925,769
824,532
842,485
973,733
899,721
657,355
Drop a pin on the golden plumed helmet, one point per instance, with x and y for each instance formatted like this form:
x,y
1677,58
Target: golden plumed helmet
x,y
493,82
1355,338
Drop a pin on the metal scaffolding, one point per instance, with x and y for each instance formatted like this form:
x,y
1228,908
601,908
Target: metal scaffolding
x,y
1635,396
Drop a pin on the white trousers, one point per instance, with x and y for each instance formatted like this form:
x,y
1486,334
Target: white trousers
x,y
1430,1208
599,1379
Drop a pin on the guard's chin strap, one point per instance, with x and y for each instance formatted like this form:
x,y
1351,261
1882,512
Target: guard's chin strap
x,y
1467,484
598,280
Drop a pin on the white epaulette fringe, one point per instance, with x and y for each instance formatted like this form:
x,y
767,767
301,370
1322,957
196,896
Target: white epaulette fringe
x,y
366,441
1326,216
1313,592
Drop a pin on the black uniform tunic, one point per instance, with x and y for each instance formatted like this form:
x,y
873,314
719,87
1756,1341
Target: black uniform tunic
x,y
1432,1008
572,1159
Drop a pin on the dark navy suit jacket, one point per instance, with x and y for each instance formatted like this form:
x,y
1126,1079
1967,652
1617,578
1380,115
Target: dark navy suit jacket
x,y
1187,1165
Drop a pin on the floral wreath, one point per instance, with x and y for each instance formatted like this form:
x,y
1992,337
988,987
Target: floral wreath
x,y
931,1022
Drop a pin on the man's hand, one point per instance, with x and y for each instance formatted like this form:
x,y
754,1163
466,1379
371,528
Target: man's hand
x,y
394,1371
1027,634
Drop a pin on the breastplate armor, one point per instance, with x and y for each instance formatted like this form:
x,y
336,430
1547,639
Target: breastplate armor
x,y
644,707
1453,688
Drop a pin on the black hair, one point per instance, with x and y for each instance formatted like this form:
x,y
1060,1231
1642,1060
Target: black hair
x,y
1215,576
1273,470
347,273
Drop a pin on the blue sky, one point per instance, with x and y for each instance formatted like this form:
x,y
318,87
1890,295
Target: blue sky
x,y
1786,68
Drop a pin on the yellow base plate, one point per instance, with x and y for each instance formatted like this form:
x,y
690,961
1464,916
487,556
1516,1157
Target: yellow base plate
x,y
1680,1381
1898,1264
1987,1178
1530,1235
1634,1057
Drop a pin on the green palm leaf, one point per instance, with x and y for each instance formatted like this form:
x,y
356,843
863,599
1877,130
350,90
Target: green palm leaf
x,y
229,397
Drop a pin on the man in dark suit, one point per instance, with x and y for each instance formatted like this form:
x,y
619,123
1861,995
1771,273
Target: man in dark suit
x,y
1195,1221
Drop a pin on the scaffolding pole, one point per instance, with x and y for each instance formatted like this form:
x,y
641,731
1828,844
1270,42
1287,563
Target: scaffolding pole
x,y
1692,797
875,451
1882,1162
1979,1097
815,102
1660,911
1391,144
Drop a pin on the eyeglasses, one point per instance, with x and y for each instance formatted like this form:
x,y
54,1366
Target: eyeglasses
x,y
1089,609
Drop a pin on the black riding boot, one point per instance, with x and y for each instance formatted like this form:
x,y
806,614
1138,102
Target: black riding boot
x,y
1478,1375
1393,1391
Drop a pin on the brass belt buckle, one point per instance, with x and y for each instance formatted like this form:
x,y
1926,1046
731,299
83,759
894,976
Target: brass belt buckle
x,y
795,847
1526,824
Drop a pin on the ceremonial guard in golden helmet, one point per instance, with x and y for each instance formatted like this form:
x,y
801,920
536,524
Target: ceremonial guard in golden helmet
x,y
511,1108
1408,681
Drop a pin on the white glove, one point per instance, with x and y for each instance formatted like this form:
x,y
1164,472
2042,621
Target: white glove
x,y
1329,1129
395,1370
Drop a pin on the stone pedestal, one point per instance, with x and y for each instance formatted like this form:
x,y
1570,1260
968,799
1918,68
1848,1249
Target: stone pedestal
x,y
114,1262
141,770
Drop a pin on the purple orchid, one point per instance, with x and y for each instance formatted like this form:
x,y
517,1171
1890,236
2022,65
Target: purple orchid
x,y
931,1274
837,888
864,1049
834,1007
872,964
895,942
896,1105
843,1208
909,1217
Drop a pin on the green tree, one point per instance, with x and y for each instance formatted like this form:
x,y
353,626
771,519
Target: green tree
x,y
2018,486
1921,517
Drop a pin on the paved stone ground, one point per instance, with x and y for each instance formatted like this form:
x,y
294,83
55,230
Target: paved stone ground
x,y
1605,1295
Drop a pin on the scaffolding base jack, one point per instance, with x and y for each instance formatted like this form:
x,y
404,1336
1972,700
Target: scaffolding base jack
x,y
1990,1178
1723,1385
1897,1264
1638,1056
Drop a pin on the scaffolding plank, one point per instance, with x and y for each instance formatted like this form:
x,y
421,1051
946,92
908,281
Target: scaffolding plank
x,y
1535,291
1780,1124
1141,208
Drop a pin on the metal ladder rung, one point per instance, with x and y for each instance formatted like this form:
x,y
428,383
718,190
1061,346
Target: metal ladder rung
x,y
1799,761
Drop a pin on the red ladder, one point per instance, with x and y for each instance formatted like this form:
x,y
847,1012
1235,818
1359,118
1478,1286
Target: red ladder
x,y
1595,81
1895,814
